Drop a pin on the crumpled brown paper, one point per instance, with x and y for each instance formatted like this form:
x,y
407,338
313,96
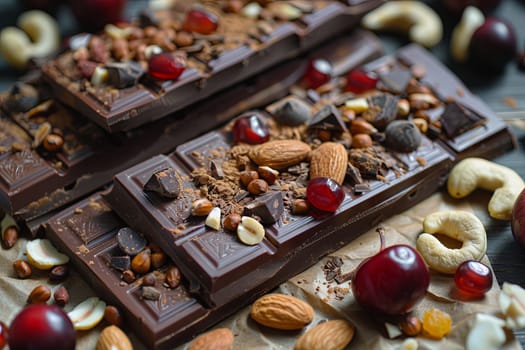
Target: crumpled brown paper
x,y
311,286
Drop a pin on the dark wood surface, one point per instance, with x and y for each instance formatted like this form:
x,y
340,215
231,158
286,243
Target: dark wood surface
x,y
507,258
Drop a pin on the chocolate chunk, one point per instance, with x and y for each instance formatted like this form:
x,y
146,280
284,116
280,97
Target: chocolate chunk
x,y
292,111
124,74
268,207
457,119
216,169
150,293
165,183
353,173
382,110
362,188
328,118
368,163
130,241
21,98
402,136
396,79
121,263
147,17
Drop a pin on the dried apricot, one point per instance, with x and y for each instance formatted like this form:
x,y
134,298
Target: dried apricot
x,y
436,323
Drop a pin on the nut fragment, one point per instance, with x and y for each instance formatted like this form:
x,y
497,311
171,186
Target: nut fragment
x,y
40,294
486,332
213,220
22,269
87,314
472,173
113,338
459,225
512,304
334,335
281,311
250,231
43,255
268,174
217,339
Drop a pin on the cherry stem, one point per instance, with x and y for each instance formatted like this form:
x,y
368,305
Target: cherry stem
x,y
382,241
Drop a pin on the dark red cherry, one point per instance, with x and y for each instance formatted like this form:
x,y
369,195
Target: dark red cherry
x,y
318,72
493,44
359,81
250,128
200,21
473,278
166,66
391,282
325,194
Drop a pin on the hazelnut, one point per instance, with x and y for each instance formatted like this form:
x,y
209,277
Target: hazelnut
x,y
183,39
422,101
300,207
149,279
201,207
128,276
53,142
113,316
158,259
411,326
59,273
141,263
257,187
231,222
324,135
22,269
10,237
40,294
173,276
361,141
248,176
361,126
268,174
61,296
421,124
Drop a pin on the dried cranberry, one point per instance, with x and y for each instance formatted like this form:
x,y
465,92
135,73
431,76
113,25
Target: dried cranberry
x,y
250,128
359,81
200,21
325,194
166,66
318,72
473,278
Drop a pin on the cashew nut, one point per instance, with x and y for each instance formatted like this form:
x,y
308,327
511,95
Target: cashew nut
x,y
421,22
472,173
38,36
512,304
471,20
460,225
486,333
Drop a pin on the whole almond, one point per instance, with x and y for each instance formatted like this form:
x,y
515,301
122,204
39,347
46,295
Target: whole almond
x,y
113,337
329,160
281,311
40,294
217,339
279,154
329,335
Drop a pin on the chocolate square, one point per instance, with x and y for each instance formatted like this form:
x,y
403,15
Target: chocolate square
x,y
268,207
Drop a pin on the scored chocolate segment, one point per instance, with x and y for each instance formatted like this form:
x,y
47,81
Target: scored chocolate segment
x,y
241,47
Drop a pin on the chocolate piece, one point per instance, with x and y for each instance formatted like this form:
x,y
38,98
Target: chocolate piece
x,y
130,241
291,111
150,293
216,170
165,182
21,98
457,119
238,49
121,263
268,207
124,74
396,79
382,109
402,136
328,118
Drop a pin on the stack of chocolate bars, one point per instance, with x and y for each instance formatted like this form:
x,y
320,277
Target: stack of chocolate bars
x,y
253,106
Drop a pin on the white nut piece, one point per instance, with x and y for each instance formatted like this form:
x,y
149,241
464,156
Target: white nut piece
x,y
250,231
471,20
486,333
213,219
37,35
421,22
87,314
472,173
512,304
459,225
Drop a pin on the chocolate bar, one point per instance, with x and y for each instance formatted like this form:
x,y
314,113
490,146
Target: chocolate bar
x,y
37,179
236,44
399,162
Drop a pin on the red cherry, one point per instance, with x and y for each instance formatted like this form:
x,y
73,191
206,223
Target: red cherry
x,y
359,81
250,128
518,220
200,21
92,15
493,44
325,194
43,327
4,332
318,72
473,278
166,66
391,282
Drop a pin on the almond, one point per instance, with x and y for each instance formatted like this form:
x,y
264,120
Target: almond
x,y
113,337
281,311
217,339
279,154
329,335
329,160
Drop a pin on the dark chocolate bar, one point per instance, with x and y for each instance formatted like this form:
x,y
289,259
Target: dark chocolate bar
x,y
400,162
36,178
125,96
